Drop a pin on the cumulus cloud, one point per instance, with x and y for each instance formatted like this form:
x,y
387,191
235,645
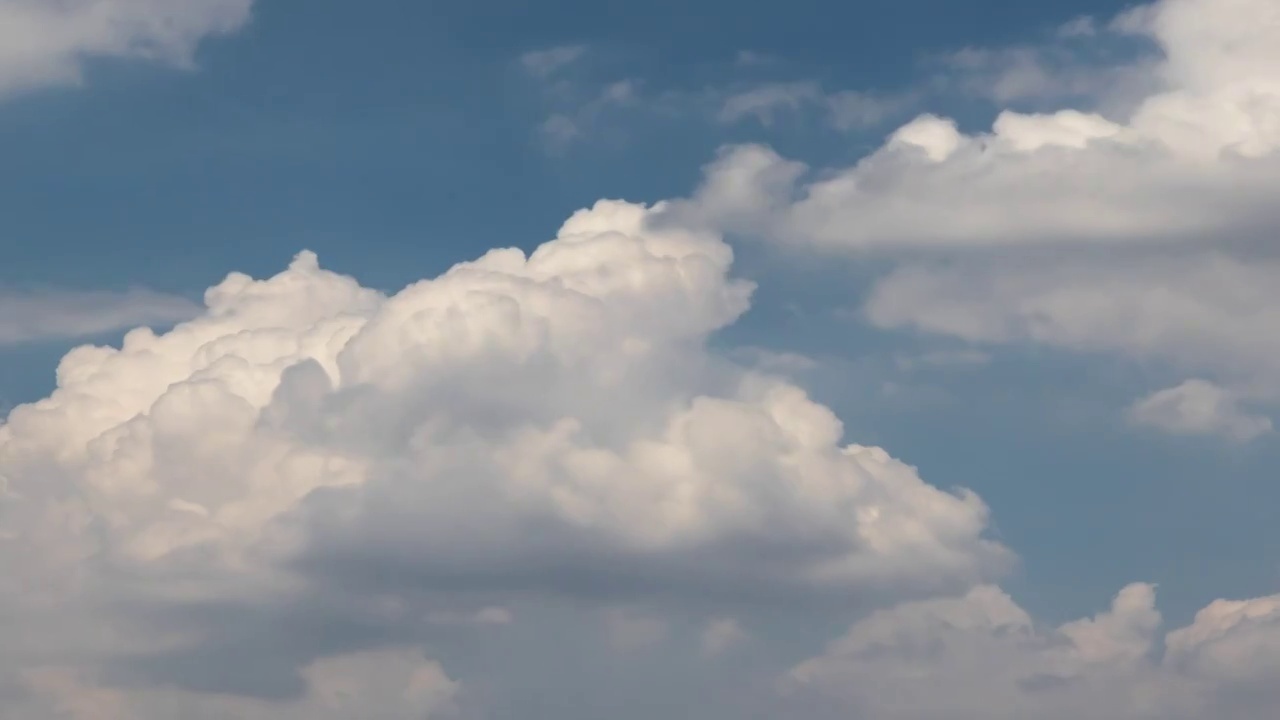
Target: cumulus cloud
x,y
48,314
548,425
47,43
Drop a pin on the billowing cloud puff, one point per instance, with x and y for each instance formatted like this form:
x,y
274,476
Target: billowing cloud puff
x,y
559,403
549,424
46,43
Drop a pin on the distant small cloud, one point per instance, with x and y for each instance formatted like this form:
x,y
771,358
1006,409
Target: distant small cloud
x,y
746,58
545,63
561,129
722,634
844,110
1199,407
764,102
852,110
1083,26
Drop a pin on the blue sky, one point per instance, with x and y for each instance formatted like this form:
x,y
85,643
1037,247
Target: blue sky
x,y
397,138
327,125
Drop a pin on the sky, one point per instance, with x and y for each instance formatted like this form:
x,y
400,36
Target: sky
x,y
904,360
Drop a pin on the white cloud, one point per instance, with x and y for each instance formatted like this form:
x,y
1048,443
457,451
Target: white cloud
x,y
46,42
1198,407
606,428
57,314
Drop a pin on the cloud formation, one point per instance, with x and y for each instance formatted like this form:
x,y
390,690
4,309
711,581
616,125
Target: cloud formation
x,y
47,43
540,426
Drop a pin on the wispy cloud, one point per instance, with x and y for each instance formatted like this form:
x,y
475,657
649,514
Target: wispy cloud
x,y
56,314
562,129
1199,407
844,110
545,63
